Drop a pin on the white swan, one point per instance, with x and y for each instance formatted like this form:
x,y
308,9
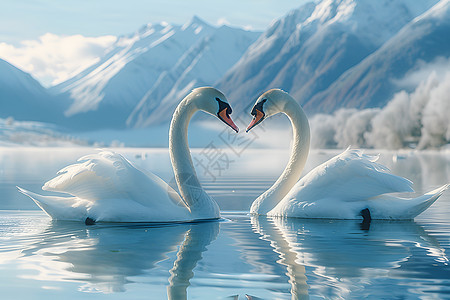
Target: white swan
x,y
107,187
348,186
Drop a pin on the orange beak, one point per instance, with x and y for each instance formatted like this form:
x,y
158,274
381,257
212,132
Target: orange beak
x,y
256,120
226,118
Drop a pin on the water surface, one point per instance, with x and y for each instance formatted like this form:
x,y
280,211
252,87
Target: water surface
x,y
227,259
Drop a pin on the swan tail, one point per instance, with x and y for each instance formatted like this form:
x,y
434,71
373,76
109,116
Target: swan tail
x,y
393,208
423,202
59,208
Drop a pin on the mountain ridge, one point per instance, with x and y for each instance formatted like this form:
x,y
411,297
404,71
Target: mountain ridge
x,y
23,98
315,50
112,89
328,55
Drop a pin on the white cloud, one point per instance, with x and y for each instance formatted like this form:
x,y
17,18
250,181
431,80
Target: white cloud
x,y
52,59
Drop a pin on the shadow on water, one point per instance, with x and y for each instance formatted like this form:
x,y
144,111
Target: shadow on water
x,y
106,257
336,258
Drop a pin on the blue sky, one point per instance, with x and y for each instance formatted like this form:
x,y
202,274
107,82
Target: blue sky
x,y
28,19
54,40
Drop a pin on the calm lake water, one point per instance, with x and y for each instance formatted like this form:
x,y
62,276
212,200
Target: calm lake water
x,y
227,259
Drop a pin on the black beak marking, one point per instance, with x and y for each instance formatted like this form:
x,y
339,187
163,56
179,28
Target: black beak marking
x,y
222,106
257,108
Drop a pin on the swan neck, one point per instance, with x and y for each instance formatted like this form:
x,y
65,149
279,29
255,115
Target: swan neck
x,y
297,160
194,196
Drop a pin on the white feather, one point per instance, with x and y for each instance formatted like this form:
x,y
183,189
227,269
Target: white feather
x,y
107,187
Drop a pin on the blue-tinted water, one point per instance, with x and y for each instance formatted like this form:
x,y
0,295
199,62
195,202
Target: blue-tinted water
x,y
227,259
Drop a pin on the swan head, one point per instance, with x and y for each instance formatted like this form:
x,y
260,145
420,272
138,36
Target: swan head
x,y
212,101
268,104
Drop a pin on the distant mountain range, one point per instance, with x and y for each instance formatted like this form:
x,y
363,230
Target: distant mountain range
x,y
204,63
23,98
373,81
145,70
328,55
335,54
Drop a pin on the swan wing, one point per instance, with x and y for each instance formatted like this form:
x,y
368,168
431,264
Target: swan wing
x,y
349,176
109,175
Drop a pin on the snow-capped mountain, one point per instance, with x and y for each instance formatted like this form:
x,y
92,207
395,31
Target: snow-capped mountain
x,y
306,51
23,98
159,61
328,55
203,64
424,40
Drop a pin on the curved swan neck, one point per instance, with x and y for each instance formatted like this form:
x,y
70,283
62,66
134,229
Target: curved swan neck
x,y
190,189
299,153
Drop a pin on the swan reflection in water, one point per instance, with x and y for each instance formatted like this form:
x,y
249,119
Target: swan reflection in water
x,y
336,258
105,257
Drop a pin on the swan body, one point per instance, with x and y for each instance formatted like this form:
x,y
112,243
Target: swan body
x,y
107,187
350,185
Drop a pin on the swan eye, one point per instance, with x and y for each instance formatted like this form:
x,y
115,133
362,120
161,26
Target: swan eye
x,y
258,114
258,106
223,105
